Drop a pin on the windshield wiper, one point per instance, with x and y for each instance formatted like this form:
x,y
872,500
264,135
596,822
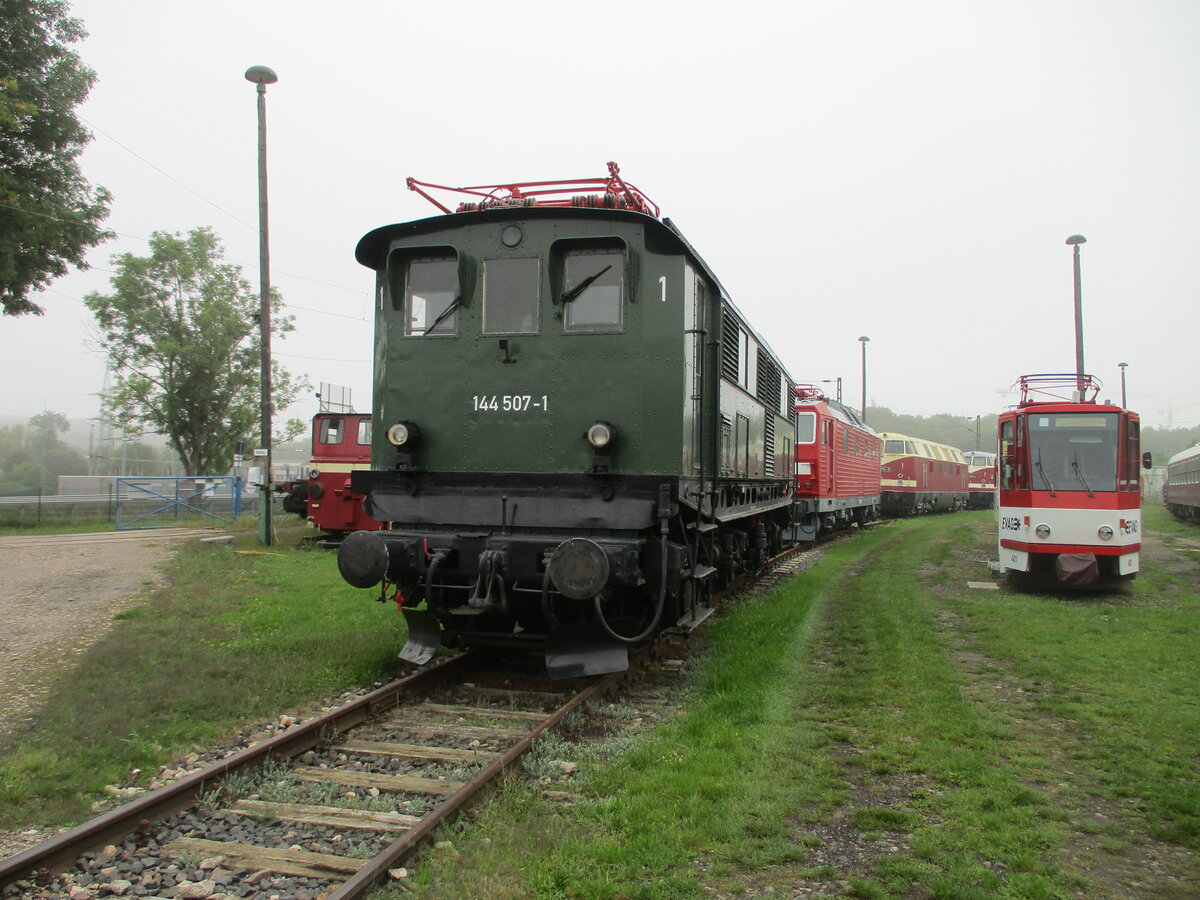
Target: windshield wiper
x,y
1043,473
1079,473
582,286
454,304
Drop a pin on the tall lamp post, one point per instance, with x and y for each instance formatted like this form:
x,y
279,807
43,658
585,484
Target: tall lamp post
x,y
1123,366
1075,240
261,76
863,340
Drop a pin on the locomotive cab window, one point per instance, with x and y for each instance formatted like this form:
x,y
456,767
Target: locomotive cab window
x,y
431,296
593,289
510,296
364,432
331,431
806,427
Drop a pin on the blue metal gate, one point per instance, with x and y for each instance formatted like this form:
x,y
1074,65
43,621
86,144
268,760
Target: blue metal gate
x,y
161,502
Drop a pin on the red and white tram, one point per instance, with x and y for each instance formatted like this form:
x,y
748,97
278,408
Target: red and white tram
x,y
1070,482
837,466
1181,490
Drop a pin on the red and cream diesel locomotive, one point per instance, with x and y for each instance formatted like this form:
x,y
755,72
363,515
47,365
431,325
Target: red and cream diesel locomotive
x,y
837,466
920,476
981,479
1069,482
341,444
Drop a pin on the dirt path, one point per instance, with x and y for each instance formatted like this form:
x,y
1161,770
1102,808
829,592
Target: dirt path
x,y
58,595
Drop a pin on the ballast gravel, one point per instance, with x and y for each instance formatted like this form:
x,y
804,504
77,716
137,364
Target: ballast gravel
x,y
140,866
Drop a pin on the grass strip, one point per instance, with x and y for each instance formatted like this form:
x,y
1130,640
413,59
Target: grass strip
x,y
231,638
1119,671
874,728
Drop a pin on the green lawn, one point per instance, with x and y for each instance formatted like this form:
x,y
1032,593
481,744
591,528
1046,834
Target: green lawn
x,y
876,728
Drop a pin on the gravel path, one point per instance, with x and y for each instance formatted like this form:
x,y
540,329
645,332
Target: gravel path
x,y
58,595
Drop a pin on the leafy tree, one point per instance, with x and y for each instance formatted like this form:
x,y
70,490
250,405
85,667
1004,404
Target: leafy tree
x,y
46,427
181,331
1166,442
49,214
32,456
945,428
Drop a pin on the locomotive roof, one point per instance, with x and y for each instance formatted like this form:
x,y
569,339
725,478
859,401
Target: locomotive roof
x,y
838,410
372,249
896,436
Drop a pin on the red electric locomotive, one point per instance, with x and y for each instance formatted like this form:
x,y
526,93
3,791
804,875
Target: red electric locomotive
x,y
1070,482
981,479
920,476
1181,490
837,466
341,444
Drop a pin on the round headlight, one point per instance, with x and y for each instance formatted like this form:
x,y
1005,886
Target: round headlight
x,y
1105,532
403,433
601,435
1043,531
314,472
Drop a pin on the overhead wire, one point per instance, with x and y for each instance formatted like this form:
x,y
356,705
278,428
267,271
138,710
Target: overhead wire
x,y
189,189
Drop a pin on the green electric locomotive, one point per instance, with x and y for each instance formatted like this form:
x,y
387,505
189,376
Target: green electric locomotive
x,y
578,437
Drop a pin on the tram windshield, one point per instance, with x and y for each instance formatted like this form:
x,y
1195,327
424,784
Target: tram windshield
x,y
1074,451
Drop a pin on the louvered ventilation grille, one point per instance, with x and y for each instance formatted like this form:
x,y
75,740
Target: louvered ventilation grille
x,y
769,442
768,381
729,347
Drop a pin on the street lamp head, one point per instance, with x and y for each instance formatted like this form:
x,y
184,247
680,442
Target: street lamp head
x,y
1073,239
864,338
1122,365
261,75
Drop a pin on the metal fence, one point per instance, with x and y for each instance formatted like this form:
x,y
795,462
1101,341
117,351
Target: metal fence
x,y
131,503
163,502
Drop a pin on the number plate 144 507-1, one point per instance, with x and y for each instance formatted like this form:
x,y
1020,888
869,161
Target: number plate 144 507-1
x,y
510,403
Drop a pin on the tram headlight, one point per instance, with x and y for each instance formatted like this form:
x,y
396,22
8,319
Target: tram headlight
x,y
1042,531
1105,532
602,435
404,434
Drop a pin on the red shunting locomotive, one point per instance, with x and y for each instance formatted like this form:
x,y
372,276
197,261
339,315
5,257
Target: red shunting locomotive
x,y
341,444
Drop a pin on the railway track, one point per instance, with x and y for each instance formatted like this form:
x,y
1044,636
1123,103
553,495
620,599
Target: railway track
x,y
326,808
323,808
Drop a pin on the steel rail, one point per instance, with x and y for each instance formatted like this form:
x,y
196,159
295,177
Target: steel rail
x,y
376,870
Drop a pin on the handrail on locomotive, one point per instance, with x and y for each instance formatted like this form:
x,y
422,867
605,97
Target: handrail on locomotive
x,y
615,193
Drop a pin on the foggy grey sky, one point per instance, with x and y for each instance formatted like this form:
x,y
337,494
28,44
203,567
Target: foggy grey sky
x,y
908,171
